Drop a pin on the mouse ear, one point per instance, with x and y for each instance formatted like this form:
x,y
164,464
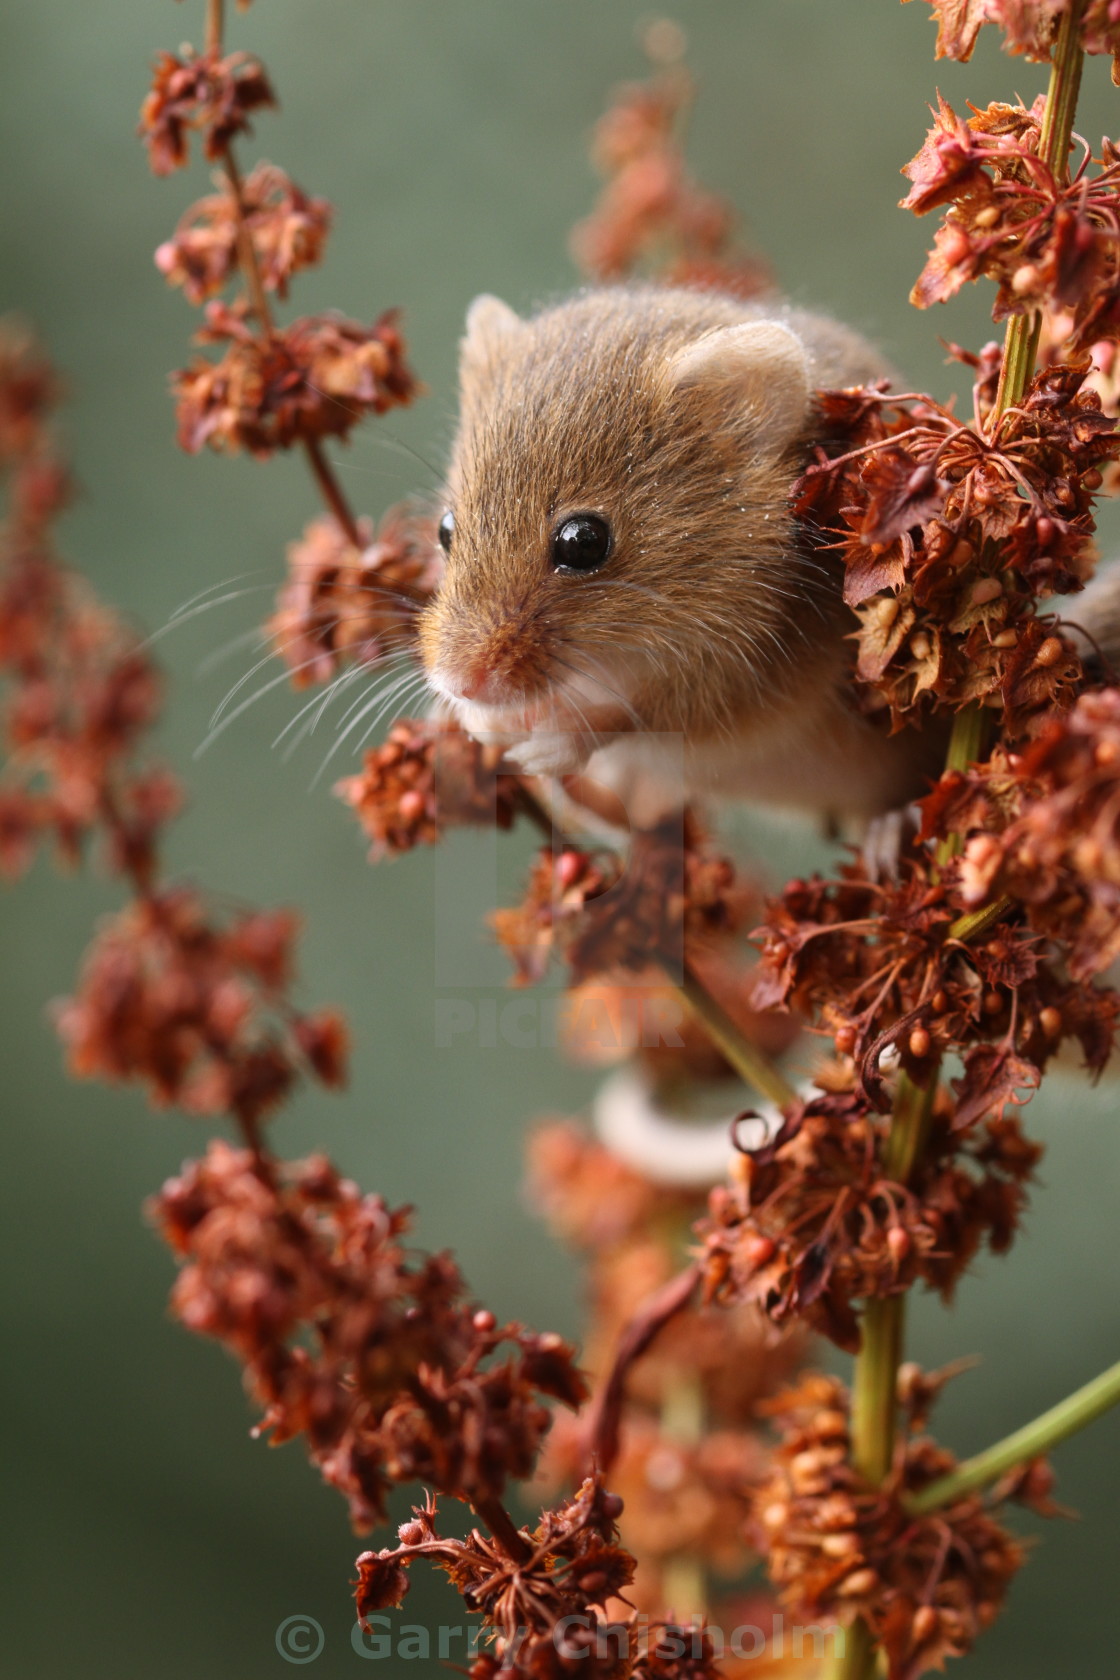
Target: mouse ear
x,y
491,326
759,370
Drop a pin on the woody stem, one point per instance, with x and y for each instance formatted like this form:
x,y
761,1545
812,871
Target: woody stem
x,y
322,471
332,492
503,1528
874,1386
214,22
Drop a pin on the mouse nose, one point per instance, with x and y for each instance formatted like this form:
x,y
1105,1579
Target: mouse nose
x,y
477,682
472,682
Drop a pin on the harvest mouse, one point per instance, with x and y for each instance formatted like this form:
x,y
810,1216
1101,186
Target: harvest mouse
x,y
626,587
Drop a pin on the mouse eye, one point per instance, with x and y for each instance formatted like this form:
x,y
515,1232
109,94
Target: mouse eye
x,y
581,543
446,531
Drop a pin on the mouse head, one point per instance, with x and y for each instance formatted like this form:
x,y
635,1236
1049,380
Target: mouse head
x,y
617,514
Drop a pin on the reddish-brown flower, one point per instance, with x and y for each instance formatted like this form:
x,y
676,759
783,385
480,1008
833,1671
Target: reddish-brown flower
x,y
601,912
286,226
204,92
343,603
376,1358
816,1222
1046,831
949,534
651,213
313,379
424,778
197,1011
838,1548
541,1609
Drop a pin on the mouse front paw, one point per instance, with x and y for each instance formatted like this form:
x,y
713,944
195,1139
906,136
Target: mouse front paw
x,y
550,754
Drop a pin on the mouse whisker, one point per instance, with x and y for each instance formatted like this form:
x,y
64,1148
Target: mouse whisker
x,y
183,615
410,687
336,686
381,699
214,658
595,678
218,728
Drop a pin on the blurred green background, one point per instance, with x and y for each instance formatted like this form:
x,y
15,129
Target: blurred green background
x,y
144,1533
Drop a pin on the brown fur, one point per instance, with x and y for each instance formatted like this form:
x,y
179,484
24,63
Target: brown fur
x,y
716,621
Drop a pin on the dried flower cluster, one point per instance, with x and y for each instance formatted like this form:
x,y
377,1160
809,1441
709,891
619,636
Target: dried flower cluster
x,y
1028,26
602,913
1015,220
198,1011
194,1007
424,778
547,1617
205,93
381,1363
838,1548
949,533
273,387
880,965
315,379
651,213
287,227
1042,829
815,1223
81,691
353,602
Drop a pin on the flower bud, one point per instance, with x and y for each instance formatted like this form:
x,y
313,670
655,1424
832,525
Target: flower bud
x,y
1050,1020
569,867
757,1249
898,1244
985,590
925,1625
858,1584
954,244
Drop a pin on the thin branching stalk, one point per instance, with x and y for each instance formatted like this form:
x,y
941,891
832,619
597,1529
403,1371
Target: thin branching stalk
x,y
1034,1439
322,471
874,1389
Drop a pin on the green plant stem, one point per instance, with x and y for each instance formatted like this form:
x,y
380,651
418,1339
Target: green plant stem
x,y
682,1420
875,1378
873,1390
1031,1441
913,1105
966,743
749,1063
975,922
752,1066
1020,347
1061,95
1021,342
